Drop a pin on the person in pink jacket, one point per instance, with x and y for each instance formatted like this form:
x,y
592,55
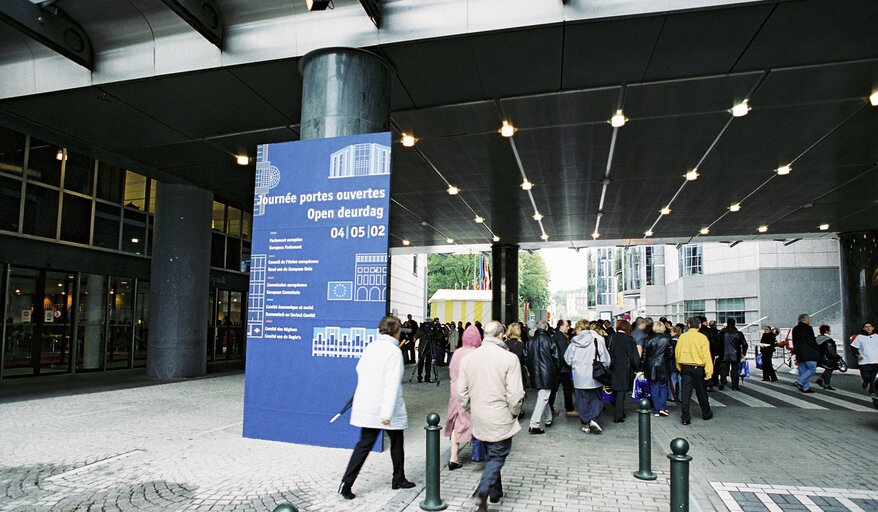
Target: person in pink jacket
x,y
459,425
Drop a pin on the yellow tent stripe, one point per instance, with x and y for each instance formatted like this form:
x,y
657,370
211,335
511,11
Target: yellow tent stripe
x,y
477,311
449,311
433,307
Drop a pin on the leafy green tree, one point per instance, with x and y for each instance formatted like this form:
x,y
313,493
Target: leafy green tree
x,y
453,271
533,279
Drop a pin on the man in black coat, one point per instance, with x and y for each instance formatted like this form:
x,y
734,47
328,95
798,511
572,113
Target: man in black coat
x,y
716,349
560,339
806,351
733,347
542,359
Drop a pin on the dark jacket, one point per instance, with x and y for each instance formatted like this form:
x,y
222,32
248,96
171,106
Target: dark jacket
x,y
656,357
542,360
733,343
562,343
768,342
804,343
716,348
625,361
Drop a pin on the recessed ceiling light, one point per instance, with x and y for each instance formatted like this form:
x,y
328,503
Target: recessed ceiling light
x,y
449,240
538,216
618,120
647,233
665,211
763,229
873,99
242,159
544,236
59,155
479,219
408,140
317,5
824,227
595,234
735,207
406,242
135,240
783,170
741,109
507,130
496,238
692,175
704,231
452,190
526,185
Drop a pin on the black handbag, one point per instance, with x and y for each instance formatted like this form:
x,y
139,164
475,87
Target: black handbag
x,y
599,372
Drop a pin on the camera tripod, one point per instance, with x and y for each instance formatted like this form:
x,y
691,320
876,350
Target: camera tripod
x,y
429,345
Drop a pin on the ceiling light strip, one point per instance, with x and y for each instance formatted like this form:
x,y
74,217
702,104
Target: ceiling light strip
x,y
830,132
605,183
524,176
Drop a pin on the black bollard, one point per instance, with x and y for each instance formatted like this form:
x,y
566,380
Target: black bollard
x,y
645,442
432,501
286,507
679,475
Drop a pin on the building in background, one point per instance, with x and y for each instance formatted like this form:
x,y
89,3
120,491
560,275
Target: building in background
x,y
757,283
408,286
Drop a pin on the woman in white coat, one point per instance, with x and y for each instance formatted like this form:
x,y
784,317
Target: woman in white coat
x,y
378,405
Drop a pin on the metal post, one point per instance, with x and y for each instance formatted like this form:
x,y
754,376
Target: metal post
x,y
432,501
645,442
286,507
679,475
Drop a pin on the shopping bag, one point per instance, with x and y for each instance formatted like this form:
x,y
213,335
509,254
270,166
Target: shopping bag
x,y
744,369
607,394
641,387
478,451
759,361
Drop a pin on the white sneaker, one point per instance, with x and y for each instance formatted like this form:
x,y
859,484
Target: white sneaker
x,y
594,425
585,429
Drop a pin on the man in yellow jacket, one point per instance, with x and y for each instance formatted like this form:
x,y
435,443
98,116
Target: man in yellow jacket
x,y
696,367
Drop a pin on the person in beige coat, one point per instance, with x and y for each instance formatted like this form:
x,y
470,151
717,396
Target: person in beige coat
x,y
489,388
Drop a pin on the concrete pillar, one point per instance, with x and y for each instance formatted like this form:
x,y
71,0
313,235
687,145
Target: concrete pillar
x,y
345,91
94,321
859,286
179,280
504,285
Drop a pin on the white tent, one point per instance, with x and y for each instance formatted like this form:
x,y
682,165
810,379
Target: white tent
x,y
461,305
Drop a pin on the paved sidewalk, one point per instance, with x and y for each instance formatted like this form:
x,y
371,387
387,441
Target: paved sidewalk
x,y
178,447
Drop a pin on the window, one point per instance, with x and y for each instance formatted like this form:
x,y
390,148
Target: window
x,y
633,268
134,232
10,199
217,250
11,151
690,260
40,211
75,219
234,225
106,229
730,308
233,253
43,163
135,190
693,308
606,279
109,182
415,264
152,193
78,173
218,221
649,263
246,225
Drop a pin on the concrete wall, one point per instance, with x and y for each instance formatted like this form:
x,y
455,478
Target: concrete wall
x,y
408,285
785,293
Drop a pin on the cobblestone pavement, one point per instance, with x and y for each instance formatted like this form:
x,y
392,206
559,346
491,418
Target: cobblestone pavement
x,y
178,447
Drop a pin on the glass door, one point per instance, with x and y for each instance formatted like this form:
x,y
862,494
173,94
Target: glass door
x,y
18,347
141,323
120,313
90,331
56,322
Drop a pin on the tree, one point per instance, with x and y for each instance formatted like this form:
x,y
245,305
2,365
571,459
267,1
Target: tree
x,y
453,271
533,279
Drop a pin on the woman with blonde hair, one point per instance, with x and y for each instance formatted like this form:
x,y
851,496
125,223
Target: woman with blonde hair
x,y
655,362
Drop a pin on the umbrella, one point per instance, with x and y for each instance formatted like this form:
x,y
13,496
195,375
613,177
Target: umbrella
x,y
344,409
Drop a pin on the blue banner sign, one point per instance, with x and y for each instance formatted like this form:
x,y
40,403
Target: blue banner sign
x,y
318,283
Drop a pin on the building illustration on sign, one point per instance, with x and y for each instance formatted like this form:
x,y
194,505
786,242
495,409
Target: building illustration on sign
x,y
341,342
256,296
366,159
267,177
370,277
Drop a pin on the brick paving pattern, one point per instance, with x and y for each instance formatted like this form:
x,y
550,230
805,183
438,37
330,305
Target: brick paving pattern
x,y
178,447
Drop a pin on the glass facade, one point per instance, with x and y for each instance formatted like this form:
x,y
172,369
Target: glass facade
x,y
633,268
730,308
649,265
67,320
605,263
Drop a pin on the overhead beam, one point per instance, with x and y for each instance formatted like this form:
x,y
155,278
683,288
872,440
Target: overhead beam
x,y
373,10
51,27
204,16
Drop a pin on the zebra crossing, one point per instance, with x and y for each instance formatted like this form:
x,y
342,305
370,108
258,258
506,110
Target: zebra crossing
x,y
758,394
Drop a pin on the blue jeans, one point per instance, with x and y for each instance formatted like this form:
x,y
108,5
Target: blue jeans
x,y
659,391
495,456
676,380
589,404
806,370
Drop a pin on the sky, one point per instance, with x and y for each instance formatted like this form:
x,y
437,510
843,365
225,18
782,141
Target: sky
x,y
567,268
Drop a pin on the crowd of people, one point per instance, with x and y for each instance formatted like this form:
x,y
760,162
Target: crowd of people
x,y
591,363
